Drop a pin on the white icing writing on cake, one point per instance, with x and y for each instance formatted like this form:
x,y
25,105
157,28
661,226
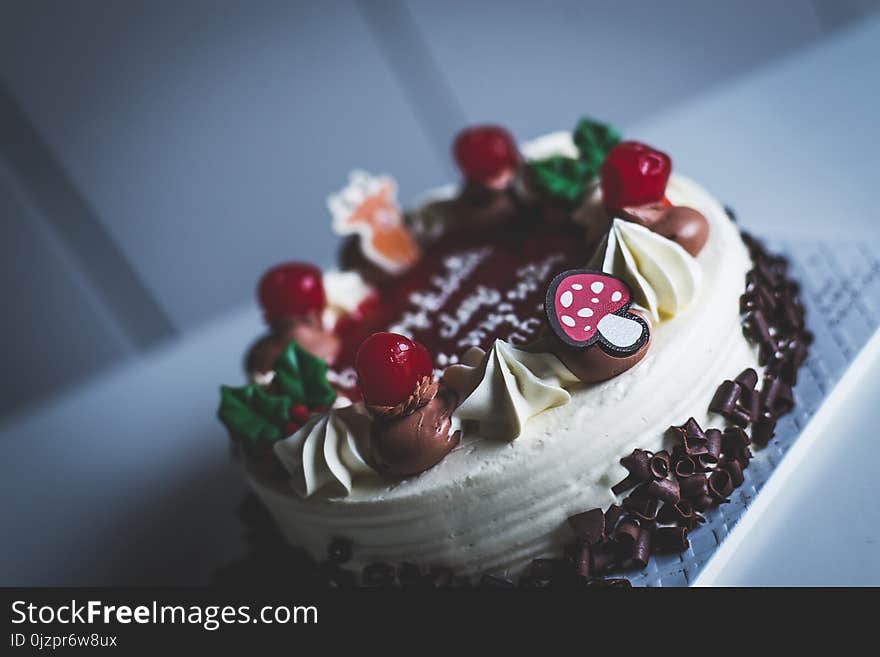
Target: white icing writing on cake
x,y
458,267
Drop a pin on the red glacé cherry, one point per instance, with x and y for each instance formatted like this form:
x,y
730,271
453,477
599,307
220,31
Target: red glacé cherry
x,y
484,152
634,174
389,366
292,289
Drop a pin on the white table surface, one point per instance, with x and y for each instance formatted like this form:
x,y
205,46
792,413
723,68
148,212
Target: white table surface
x,y
127,479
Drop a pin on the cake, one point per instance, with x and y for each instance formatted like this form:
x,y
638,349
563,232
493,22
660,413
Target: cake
x,y
545,374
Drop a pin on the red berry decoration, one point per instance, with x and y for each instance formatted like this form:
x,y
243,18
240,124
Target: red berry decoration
x,y
634,174
389,366
484,152
292,289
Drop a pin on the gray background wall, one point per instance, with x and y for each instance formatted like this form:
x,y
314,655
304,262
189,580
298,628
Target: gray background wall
x,y
155,157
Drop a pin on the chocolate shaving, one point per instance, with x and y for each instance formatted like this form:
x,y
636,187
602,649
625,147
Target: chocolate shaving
x,y
588,526
748,378
612,515
776,396
681,513
685,466
660,465
720,485
670,539
764,429
641,548
603,557
733,468
665,490
426,390
693,438
638,464
641,505
694,487
713,450
582,561
627,532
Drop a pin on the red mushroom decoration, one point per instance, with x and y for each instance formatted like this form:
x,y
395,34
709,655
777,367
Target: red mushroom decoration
x,y
587,307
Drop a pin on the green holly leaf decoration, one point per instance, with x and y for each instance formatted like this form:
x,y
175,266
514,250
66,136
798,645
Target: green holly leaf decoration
x,y
566,178
594,140
303,377
252,412
562,177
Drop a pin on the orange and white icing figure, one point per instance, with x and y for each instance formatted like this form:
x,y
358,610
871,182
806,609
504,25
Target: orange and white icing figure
x,y
368,207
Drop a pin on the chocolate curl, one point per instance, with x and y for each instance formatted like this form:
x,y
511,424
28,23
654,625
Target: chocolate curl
x,y
612,515
685,466
734,469
748,378
776,396
670,539
588,526
720,485
603,557
681,513
626,533
582,560
725,399
641,505
694,487
641,549
713,450
764,429
693,438
638,464
734,439
660,465
703,503
666,490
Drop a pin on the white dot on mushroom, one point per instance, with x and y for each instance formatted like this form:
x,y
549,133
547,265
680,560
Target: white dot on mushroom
x,y
585,312
594,300
568,321
597,286
587,327
577,286
566,299
616,296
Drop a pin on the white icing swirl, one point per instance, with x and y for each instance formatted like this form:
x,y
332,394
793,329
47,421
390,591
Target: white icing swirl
x,y
505,387
328,450
663,276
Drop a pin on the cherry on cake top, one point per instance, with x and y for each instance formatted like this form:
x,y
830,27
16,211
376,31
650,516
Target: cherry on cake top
x,y
484,153
634,173
389,367
291,289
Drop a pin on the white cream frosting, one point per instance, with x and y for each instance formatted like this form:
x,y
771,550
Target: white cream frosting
x,y
663,276
345,291
494,505
505,387
327,451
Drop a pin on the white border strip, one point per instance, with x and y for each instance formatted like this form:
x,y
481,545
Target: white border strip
x,y
863,364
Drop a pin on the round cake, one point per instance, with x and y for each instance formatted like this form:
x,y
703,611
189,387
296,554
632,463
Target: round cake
x,y
564,362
